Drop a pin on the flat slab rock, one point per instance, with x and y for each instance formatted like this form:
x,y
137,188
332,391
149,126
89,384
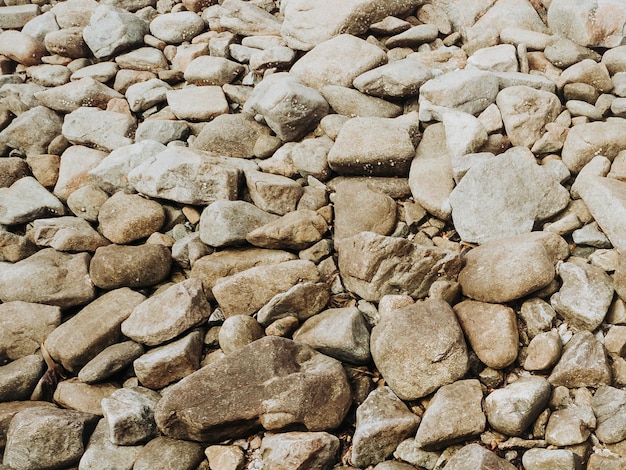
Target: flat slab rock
x,y
272,383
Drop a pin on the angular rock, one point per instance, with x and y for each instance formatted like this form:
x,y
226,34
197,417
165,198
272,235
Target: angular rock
x,y
247,19
67,234
585,141
585,295
71,96
504,196
186,176
606,200
19,378
162,131
168,314
425,335
299,450
26,200
110,361
75,395
225,223
90,331
302,301
162,451
115,266
112,30
609,406
129,414
15,247
238,331
454,414
510,410
41,438
197,103
76,162
372,265
546,459
143,95
226,457
102,454
32,131
464,133
125,218
283,383
24,326
48,277
414,36
383,421
106,130
500,58
338,61
475,456
352,103
210,70
247,291
273,193
583,363
341,333
295,230
398,79
570,425
491,330
276,97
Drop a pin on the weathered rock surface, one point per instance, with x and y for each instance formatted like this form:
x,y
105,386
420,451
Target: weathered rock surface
x,y
299,450
583,363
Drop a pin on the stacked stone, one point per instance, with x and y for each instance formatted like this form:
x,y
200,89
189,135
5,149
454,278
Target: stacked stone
x,y
312,234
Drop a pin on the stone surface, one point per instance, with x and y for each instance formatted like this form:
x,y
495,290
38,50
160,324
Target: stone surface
x,y
295,230
383,421
582,364
110,361
162,451
106,130
540,459
281,381
475,456
302,301
75,395
233,135
112,30
238,331
426,335
129,414
585,141
19,378
67,234
26,200
299,450
101,453
609,406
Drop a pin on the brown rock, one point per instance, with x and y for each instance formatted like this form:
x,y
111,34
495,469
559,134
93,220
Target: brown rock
x,y
124,218
295,230
74,395
21,47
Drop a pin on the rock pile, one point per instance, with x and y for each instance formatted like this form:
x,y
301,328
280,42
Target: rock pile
x,y
312,234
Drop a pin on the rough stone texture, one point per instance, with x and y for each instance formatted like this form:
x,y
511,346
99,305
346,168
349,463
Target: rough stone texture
x,y
491,330
299,450
238,331
302,301
32,131
454,414
71,96
425,335
544,350
129,414
585,295
295,230
75,395
102,454
583,363
271,383
106,130
166,315
26,200
110,361
49,277
609,406
21,47
570,425
67,234
19,378
504,197
545,459
510,410
382,422
161,452
372,265
585,141
511,268
41,438
276,194
124,218
475,456
341,333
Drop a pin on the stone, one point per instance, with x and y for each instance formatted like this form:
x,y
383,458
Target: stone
x,y
383,421
166,315
197,103
40,438
525,113
310,159
373,265
352,103
15,247
21,47
538,316
597,25
545,459
238,331
75,395
306,25
226,223
13,168
148,59
470,91
359,208
211,70
609,406
32,131
169,363
75,13
84,92
570,425
299,450
112,30
26,200
174,28
585,141
129,414
110,361
284,383
247,19
186,176
125,218
67,234
19,378
585,295
337,61
90,331
600,193
162,131
247,291
275,194
24,326
76,162
274,99
225,457
102,454
162,451
487,207
302,301
189,249
111,174
144,95
279,57
544,350
500,58
454,414
398,79
115,266
491,330
232,135
414,36
510,410
475,456
67,42
341,333
295,230
16,16
49,277
582,364
106,130
408,336
564,52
